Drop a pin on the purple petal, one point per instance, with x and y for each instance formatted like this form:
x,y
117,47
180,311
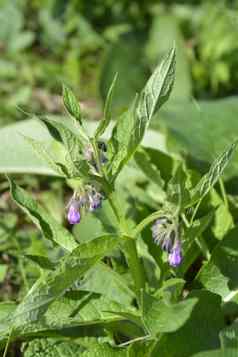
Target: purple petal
x,y
73,215
175,257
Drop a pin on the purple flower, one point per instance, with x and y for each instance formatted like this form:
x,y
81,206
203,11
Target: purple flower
x,y
74,213
175,256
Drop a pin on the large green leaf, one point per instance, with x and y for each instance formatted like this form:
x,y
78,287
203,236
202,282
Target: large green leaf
x,y
160,317
219,275
199,333
103,280
53,285
50,227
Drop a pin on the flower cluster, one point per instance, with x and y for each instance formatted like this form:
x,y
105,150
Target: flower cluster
x,y
165,234
89,200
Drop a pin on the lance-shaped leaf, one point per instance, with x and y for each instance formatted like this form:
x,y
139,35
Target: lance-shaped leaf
x,y
107,110
212,176
55,283
51,229
130,128
71,103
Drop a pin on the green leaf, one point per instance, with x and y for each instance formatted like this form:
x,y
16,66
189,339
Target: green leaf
x,y
130,128
215,172
107,110
55,283
41,150
51,229
219,275
161,317
41,261
71,103
200,332
103,280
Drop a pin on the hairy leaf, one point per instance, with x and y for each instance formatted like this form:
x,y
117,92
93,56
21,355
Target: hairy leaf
x,y
55,283
160,317
130,128
51,229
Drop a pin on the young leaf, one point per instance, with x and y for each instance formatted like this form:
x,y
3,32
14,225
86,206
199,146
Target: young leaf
x,y
51,229
107,110
130,128
210,178
71,103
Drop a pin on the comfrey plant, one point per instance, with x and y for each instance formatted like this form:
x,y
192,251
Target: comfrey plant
x,y
118,285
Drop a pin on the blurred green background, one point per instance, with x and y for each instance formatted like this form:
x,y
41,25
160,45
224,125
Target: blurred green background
x,y
83,43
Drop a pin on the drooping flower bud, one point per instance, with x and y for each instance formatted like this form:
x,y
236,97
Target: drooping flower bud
x,y
175,256
73,212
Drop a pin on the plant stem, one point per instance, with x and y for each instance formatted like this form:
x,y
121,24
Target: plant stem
x,y
128,243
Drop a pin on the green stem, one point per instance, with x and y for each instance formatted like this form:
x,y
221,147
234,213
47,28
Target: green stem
x,y
128,243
